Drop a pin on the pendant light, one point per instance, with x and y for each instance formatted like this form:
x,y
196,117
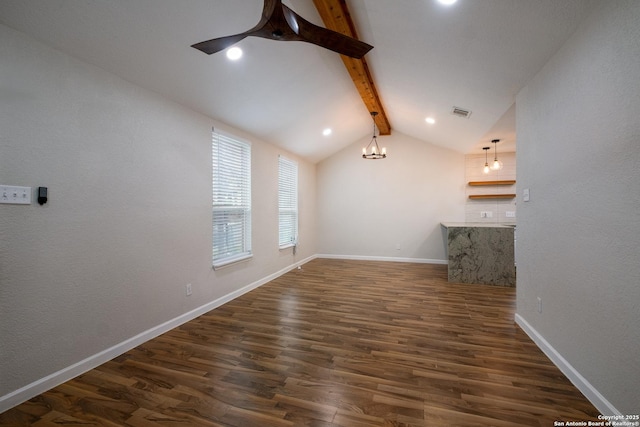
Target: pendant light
x,y
497,165
373,148
486,161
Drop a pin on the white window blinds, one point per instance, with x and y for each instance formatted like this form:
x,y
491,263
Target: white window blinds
x,y
287,202
231,199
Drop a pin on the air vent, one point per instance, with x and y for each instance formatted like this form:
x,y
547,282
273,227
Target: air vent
x,y
460,112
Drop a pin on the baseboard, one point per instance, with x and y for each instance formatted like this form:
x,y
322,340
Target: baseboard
x,y
594,396
25,393
383,259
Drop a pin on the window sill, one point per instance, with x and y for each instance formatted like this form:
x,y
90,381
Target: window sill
x,y
220,264
287,246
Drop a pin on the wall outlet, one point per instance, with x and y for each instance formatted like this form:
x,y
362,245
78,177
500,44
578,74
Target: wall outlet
x,y
510,214
397,246
187,289
539,305
486,214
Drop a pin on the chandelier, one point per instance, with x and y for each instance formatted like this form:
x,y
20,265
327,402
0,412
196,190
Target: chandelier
x,y
372,151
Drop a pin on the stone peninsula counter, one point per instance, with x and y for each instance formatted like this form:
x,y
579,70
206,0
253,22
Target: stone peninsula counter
x,y
481,253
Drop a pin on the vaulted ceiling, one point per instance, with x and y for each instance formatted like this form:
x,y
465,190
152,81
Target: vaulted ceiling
x,y
427,58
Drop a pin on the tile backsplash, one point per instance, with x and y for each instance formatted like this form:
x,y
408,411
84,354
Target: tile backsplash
x,y
501,211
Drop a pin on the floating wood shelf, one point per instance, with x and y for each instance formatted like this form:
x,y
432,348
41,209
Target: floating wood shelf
x,y
492,196
504,182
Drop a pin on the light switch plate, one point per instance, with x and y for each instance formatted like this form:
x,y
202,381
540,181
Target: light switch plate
x,y
14,195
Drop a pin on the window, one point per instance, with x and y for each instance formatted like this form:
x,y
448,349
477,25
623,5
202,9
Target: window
x,y
287,202
231,200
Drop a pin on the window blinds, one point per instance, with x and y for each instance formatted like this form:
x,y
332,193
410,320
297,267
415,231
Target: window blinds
x,y
231,199
287,202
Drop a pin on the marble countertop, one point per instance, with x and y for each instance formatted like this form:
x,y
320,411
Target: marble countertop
x,y
477,224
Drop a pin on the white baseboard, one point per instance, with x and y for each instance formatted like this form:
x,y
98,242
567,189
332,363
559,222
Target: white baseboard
x,y
383,259
594,396
25,393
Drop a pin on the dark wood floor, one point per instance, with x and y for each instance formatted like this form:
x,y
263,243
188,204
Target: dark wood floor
x,y
337,343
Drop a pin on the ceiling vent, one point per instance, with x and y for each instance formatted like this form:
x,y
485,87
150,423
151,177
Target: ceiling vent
x,y
460,112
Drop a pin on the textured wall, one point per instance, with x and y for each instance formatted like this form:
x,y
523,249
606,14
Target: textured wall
x,y
128,222
369,208
579,236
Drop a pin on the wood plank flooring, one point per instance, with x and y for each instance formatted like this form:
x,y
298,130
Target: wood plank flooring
x,y
336,343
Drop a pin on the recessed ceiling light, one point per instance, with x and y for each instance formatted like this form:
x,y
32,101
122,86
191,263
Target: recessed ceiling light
x,y
234,53
447,2
327,132
430,120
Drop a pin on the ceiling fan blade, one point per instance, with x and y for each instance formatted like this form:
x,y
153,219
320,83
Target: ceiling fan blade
x,y
221,43
323,37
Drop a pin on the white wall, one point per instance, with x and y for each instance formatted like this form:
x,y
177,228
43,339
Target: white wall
x,y
367,207
579,236
128,222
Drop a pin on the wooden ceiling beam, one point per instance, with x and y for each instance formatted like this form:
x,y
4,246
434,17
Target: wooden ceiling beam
x,y
336,17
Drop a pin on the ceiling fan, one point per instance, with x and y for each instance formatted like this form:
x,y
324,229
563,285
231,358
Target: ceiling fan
x,y
279,22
